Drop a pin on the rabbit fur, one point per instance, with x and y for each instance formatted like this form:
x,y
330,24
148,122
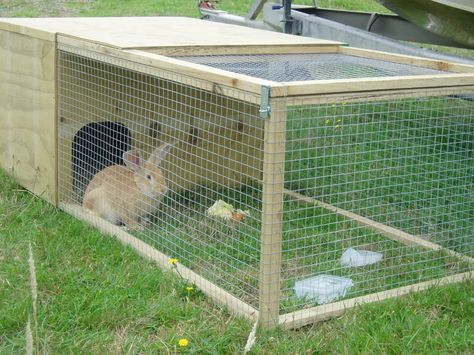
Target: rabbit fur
x,y
124,194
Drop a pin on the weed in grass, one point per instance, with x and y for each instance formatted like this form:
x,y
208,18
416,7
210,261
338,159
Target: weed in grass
x,y
29,338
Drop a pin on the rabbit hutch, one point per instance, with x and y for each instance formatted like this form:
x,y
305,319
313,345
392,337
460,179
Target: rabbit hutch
x,y
297,177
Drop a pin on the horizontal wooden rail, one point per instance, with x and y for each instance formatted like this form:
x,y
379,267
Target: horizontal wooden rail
x,y
390,232
327,311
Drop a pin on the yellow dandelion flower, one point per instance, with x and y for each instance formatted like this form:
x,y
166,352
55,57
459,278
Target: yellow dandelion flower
x,y
183,342
189,288
173,261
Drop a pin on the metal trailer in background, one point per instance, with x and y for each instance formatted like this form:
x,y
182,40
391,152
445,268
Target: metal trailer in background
x,y
438,22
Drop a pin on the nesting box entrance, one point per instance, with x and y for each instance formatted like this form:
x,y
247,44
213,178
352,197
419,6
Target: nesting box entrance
x,y
96,146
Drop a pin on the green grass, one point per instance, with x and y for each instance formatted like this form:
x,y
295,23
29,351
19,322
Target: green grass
x,y
96,296
136,8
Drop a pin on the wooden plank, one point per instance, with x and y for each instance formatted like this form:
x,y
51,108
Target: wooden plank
x,y
407,59
213,291
211,79
12,25
141,32
214,75
324,312
272,214
390,232
28,114
204,49
224,79
382,95
313,87
229,50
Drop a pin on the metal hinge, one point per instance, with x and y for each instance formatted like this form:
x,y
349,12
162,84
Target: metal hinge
x,y
265,108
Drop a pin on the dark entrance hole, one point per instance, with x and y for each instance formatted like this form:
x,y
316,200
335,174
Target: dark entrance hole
x,y
96,146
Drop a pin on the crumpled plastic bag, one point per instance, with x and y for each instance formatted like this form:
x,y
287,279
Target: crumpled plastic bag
x,y
355,258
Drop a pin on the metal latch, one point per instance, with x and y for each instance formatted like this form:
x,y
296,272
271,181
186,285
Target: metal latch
x,y
265,108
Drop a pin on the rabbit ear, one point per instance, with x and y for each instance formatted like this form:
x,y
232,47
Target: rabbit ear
x,y
160,153
132,159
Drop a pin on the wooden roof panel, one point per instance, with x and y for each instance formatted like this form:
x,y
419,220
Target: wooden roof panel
x,y
153,32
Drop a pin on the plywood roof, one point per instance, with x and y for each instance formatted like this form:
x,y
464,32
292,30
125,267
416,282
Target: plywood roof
x,y
153,32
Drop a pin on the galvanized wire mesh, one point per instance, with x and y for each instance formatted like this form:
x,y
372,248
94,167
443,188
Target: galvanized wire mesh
x,y
106,109
320,176
301,67
355,168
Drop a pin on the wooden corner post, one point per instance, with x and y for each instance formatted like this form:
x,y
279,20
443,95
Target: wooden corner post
x,y
274,113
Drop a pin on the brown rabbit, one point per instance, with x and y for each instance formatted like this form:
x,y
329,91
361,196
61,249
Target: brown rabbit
x,y
125,194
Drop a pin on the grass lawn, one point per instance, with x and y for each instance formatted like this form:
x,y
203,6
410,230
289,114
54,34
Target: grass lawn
x,y
97,296
38,8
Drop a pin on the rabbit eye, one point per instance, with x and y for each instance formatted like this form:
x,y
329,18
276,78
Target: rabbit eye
x,y
148,177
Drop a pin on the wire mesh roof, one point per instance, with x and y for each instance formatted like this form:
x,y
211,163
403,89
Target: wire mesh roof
x,y
301,67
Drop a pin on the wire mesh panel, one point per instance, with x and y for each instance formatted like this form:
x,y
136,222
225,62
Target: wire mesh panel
x,y
171,162
374,188
314,66
328,198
